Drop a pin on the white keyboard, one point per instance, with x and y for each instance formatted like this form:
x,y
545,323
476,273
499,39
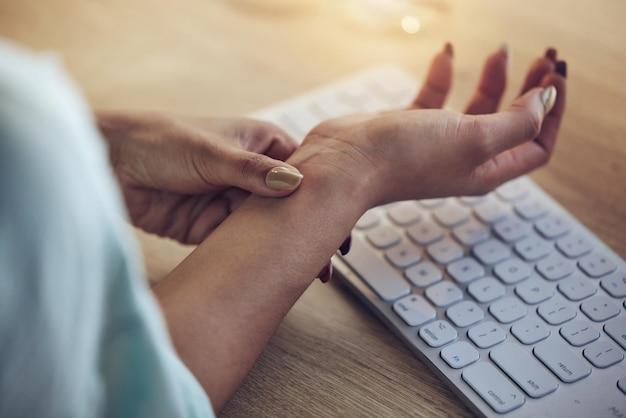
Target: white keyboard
x,y
506,297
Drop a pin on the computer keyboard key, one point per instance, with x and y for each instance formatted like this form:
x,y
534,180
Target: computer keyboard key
x,y
534,290
508,310
530,331
552,226
577,287
486,289
438,333
615,284
603,354
512,190
486,334
414,310
574,246
511,229
533,248
424,232
386,282
492,251
465,270
599,308
530,209
369,219
495,389
471,233
465,313
579,333
444,293
512,270
445,251
555,267
524,370
561,360
383,236
451,215
596,265
621,384
556,311
459,354
423,274
491,211
403,255
405,213
616,329
472,200
433,203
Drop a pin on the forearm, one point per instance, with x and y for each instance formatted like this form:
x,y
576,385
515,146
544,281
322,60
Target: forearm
x,y
223,302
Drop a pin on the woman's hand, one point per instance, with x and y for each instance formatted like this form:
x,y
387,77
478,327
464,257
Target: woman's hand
x,y
421,152
181,177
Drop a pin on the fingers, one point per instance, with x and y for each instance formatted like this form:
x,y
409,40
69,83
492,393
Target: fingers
x,y
492,84
438,82
522,138
539,69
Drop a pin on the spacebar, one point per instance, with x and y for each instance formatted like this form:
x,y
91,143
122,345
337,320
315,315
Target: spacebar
x,y
388,284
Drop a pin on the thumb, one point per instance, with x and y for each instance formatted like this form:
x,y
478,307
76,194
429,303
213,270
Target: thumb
x,y
260,174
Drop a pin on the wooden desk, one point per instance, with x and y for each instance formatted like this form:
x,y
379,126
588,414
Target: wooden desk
x,y
331,357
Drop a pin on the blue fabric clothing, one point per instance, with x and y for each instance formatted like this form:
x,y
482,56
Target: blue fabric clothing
x,y
80,333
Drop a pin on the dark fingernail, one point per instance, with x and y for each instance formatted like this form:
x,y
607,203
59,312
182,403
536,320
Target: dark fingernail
x,y
448,49
345,247
551,54
326,273
560,67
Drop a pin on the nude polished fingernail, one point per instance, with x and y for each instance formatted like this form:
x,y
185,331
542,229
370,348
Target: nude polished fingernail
x,y
448,49
548,97
283,178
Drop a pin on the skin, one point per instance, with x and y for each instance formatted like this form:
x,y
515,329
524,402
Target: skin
x,y
222,306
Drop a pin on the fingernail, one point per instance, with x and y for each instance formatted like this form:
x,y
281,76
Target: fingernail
x,y
345,247
448,49
551,54
283,178
560,67
506,52
548,97
504,48
326,273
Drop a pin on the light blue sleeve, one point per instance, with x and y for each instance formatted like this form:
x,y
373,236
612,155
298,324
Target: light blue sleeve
x,y
80,332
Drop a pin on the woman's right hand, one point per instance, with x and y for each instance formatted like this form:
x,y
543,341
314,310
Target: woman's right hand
x,y
423,152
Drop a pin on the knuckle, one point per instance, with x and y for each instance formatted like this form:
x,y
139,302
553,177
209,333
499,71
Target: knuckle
x,y
478,147
531,122
251,165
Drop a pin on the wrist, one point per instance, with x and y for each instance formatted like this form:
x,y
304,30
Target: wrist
x,y
336,170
